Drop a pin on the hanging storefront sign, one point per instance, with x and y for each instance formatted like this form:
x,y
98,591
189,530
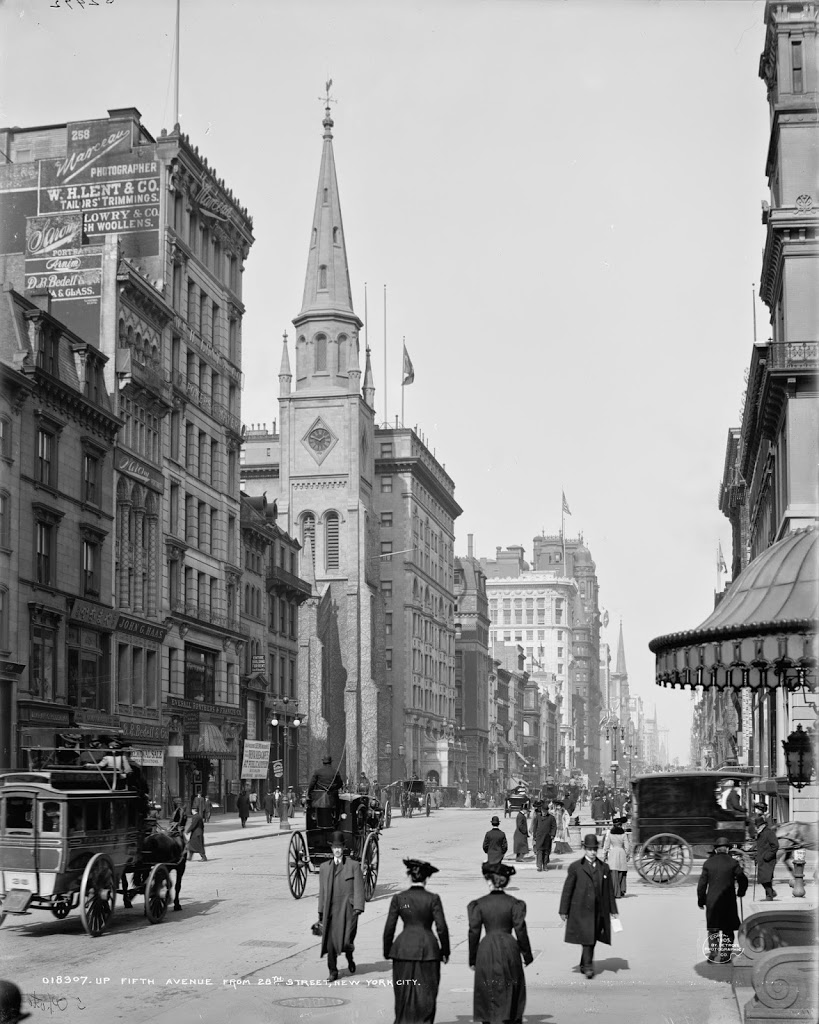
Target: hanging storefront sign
x,y
148,758
190,722
255,759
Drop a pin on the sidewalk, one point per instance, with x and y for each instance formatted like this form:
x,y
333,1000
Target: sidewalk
x,y
227,828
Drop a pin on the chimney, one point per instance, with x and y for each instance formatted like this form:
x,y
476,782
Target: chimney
x,y
41,297
469,545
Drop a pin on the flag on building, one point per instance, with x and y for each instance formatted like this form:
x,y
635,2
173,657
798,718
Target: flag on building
x,y
721,566
409,372
566,508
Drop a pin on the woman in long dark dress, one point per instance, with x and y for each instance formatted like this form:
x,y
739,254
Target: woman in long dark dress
x,y
520,843
196,835
416,954
500,987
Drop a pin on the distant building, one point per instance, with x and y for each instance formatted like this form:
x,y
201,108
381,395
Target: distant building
x,y
473,667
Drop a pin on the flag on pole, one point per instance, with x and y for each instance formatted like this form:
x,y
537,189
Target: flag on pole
x,y
566,508
409,372
721,566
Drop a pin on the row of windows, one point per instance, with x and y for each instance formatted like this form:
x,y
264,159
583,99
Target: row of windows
x,y
203,454
331,523
141,431
205,244
46,463
45,560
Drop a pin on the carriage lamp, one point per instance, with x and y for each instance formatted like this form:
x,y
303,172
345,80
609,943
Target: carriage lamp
x,y
798,880
798,758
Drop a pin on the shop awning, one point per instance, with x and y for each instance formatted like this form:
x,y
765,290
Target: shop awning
x,y
212,744
763,633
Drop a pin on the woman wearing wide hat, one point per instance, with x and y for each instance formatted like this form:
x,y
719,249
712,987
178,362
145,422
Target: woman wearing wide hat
x,y
587,904
416,954
500,987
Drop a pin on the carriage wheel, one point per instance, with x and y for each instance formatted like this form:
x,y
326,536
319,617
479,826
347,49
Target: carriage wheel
x,y
61,910
98,894
157,893
387,815
665,859
297,865
369,865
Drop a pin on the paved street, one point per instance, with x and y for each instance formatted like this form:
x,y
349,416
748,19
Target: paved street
x,y
241,930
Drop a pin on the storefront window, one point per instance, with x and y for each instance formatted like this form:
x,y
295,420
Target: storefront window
x,y
200,673
89,685
43,662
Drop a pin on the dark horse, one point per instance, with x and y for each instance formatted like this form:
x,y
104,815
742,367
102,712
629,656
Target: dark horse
x,y
158,847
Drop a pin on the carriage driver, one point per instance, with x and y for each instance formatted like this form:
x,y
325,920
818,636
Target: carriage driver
x,y
322,793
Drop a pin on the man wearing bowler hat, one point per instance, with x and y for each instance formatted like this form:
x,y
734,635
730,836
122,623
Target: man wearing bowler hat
x,y
587,904
494,842
341,900
717,895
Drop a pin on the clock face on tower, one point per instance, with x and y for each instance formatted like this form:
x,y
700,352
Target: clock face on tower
x,y
319,439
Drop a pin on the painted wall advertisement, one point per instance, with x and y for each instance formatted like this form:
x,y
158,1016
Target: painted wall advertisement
x,y
255,759
114,186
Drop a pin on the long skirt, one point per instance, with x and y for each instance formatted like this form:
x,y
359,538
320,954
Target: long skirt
x,y
500,987
415,986
619,880
196,840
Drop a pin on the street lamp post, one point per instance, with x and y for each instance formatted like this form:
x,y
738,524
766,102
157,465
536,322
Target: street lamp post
x,y
284,822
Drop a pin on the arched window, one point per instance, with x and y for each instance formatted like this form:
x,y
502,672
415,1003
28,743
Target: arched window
x,y
321,353
331,541
308,529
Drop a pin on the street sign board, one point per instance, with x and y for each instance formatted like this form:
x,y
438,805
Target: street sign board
x,y
255,760
278,769
257,663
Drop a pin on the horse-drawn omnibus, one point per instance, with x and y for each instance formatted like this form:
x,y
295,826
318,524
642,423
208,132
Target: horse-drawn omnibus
x,y
360,822
68,839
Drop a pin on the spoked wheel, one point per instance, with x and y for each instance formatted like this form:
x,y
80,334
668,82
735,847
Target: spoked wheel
x,y
369,865
157,893
665,859
297,865
387,815
98,894
61,910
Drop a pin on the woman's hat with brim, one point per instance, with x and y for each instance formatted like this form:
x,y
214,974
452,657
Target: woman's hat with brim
x,y
504,870
419,868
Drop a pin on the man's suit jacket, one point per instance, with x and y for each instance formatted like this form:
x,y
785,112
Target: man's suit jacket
x,y
545,830
495,845
588,900
418,910
767,847
341,929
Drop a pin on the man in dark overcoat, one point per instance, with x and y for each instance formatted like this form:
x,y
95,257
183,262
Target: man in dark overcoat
x,y
341,900
243,805
598,806
543,831
520,842
322,793
767,847
494,842
721,881
587,904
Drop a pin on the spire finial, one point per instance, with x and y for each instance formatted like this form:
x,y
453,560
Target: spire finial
x,y
327,99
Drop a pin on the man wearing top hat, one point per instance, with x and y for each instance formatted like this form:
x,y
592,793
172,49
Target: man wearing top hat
x,y
587,904
322,793
340,900
716,894
494,842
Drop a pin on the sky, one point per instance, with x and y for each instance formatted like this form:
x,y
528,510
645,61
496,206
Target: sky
x,y
562,199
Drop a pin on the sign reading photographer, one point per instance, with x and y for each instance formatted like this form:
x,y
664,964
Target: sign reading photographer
x,y
114,186
255,759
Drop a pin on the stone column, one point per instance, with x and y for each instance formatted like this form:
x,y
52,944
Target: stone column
x,y
153,534
124,533
139,518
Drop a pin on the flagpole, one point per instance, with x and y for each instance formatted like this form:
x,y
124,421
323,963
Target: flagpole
x,y
176,69
563,527
402,383
386,419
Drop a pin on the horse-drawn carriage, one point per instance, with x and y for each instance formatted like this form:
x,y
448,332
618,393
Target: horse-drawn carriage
x,y
413,796
675,816
517,799
359,820
69,838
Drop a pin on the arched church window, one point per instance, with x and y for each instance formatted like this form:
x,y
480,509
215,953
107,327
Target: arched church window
x,y
321,353
326,195
308,529
335,236
331,541
322,278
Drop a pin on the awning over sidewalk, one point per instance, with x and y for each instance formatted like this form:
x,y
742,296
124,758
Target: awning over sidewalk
x,y
212,744
762,634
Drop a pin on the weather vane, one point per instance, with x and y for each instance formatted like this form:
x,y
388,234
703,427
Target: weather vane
x,y
327,99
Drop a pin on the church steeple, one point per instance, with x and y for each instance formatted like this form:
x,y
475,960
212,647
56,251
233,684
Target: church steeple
x,y
327,284
369,386
327,327
285,374
621,654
